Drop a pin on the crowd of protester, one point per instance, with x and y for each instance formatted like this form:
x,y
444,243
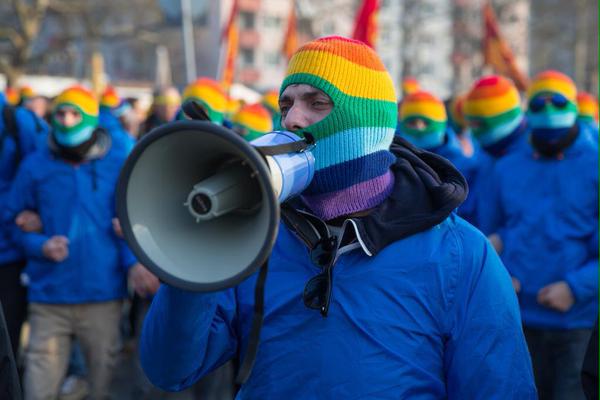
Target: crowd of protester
x,y
530,160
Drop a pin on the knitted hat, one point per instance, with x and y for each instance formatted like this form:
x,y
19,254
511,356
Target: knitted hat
x,y
352,157
86,104
493,109
554,115
423,106
111,102
12,96
410,85
167,97
588,107
26,93
271,101
252,121
210,94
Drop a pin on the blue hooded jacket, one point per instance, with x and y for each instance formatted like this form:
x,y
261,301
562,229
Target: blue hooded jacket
x,y
545,211
120,137
32,133
422,309
76,201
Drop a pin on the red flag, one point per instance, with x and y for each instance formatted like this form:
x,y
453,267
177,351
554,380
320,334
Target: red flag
x,y
230,35
497,52
290,40
365,24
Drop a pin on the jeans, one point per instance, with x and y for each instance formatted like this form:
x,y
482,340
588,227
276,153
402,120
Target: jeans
x,y
557,357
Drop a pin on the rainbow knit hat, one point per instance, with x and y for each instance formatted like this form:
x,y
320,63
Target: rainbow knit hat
x,y
12,96
428,108
110,98
352,157
493,109
588,107
546,84
26,93
410,85
83,101
252,121
209,94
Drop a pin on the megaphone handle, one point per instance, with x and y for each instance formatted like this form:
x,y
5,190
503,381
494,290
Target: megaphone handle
x,y
257,320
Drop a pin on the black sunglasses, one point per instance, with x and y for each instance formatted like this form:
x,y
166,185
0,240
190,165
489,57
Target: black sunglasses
x,y
317,292
537,104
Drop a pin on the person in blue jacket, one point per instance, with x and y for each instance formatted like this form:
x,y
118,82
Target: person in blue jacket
x,y
543,213
21,133
77,267
424,123
420,306
112,109
498,124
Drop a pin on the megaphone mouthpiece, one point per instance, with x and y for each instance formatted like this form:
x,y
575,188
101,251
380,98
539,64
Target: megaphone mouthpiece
x,y
230,189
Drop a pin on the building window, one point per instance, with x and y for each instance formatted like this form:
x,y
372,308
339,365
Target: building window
x,y
271,22
247,20
247,57
273,58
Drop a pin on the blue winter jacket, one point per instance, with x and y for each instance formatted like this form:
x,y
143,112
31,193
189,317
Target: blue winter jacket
x,y
546,213
32,133
423,309
76,201
120,137
515,143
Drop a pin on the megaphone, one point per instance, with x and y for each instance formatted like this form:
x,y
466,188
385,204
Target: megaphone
x,y
199,205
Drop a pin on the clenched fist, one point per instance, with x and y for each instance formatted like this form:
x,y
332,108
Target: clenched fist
x,y
56,248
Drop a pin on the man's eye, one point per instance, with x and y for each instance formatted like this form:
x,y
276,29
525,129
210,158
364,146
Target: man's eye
x,y
284,108
320,104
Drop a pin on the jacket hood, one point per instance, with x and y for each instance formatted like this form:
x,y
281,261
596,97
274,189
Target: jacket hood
x,y
427,189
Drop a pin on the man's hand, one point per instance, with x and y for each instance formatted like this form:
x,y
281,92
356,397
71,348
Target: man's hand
x,y
29,221
557,296
117,227
496,242
56,248
516,284
143,281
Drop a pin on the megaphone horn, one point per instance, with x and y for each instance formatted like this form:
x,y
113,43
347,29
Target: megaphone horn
x,y
199,206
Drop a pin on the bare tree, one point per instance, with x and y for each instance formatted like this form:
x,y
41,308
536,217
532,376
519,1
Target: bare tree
x,y
28,26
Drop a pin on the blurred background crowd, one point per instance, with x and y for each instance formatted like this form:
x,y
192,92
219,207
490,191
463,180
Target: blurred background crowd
x,y
477,81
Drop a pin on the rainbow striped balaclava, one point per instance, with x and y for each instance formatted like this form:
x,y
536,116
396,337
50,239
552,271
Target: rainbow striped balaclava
x,y
352,157
210,95
111,102
86,104
423,120
410,85
252,121
552,107
493,109
588,108
13,97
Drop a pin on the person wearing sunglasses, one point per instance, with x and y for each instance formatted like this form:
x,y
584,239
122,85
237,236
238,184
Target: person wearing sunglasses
x,y
543,211
376,288
424,123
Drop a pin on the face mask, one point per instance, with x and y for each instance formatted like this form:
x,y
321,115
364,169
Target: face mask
x,y
430,137
77,134
494,134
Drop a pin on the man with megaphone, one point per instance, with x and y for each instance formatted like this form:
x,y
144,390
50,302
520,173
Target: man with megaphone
x,y
376,289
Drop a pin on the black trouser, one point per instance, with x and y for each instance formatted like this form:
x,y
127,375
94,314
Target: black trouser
x,y
13,296
557,357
